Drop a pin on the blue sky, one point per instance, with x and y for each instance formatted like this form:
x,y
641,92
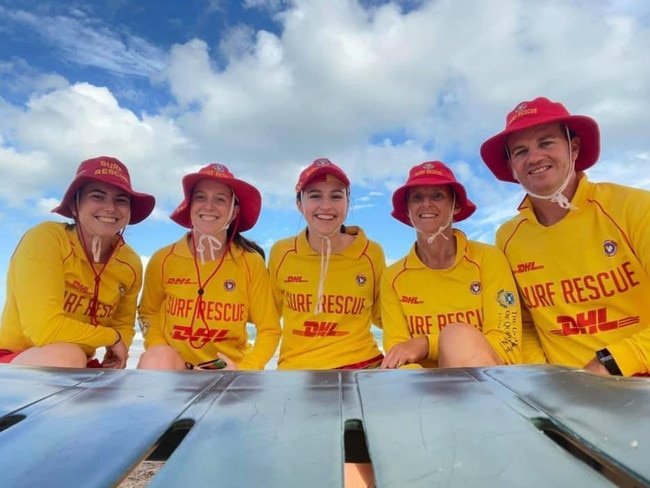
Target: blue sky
x,y
266,86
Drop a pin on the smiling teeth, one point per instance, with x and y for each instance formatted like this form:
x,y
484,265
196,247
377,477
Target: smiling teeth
x,y
107,220
210,218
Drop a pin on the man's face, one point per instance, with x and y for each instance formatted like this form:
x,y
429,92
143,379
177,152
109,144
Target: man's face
x,y
539,157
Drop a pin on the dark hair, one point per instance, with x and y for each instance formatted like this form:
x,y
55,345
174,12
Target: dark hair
x,y
246,244
570,131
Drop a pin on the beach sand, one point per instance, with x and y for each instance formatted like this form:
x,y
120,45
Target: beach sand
x,y
356,475
141,476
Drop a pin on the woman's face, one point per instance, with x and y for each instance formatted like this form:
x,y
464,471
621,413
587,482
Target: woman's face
x,y
210,207
324,205
429,207
103,210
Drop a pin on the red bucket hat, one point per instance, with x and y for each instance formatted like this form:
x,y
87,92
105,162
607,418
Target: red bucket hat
x,y
318,171
537,112
111,171
431,173
250,200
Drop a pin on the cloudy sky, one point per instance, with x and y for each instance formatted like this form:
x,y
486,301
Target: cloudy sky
x,y
266,86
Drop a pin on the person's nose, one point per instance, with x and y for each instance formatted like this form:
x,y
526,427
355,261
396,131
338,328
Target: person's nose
x,y
535,154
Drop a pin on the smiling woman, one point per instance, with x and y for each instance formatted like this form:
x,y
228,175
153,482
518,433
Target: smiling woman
x,y
72,288
450,302
326,279
200,292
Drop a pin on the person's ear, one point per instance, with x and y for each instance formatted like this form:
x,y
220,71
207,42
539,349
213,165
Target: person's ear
x,y
575,147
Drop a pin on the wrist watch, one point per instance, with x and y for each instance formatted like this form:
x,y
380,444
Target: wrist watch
x,y
606,359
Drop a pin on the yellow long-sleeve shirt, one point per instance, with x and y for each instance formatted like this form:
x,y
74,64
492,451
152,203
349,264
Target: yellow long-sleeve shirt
x,y
340,335
171,313
50,285
586,279
478,289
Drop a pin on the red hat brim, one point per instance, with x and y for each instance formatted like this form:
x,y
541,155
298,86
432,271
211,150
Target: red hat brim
x,y
248,197
400,207
317,172
493,151
142,204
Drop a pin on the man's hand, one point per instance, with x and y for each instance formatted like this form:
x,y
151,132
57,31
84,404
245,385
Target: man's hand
x,y
596,367
411,351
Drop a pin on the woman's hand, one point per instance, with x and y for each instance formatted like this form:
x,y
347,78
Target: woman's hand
x,y
230,364
116,356
411,351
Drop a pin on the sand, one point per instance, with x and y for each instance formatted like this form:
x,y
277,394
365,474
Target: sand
x,y
141,476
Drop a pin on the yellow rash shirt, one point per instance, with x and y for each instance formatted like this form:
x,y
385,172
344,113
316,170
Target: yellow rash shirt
x,y
478,289
172,312
50,286
586,279
340,335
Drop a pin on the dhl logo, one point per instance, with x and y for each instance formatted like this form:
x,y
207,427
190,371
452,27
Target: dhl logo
x,y
411,300
76,284
529,266
180,281
591,322
319,329
202,335
295,279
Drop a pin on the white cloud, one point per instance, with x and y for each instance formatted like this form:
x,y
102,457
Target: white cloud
x,y
65,126
83,40
440,77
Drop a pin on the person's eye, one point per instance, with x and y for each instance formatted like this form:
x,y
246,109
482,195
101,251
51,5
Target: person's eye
x,y
518,153
123,201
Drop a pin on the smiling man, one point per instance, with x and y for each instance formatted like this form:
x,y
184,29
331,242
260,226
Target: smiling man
x,y
579,251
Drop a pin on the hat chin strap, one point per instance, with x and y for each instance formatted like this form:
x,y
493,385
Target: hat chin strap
x,y
441,229
557,196
96,243
213,243
325,254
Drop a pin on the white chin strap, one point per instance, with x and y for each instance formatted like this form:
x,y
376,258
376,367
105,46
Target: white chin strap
x,y
325,254
96,248
213,243
557,196
441,229
326,242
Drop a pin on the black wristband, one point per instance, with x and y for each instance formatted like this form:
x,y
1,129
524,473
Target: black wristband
x,y
606,359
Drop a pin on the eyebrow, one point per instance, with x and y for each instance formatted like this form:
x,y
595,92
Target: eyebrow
x,y
540,138
104,192
220,193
